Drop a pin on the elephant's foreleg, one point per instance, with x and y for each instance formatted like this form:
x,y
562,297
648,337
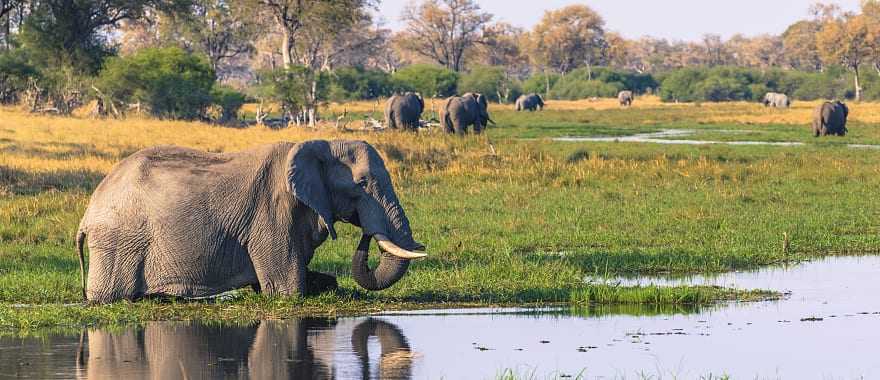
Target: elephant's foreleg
x,y
278,272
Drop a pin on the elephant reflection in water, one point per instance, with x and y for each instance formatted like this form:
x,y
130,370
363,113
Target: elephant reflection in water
x,y
297,349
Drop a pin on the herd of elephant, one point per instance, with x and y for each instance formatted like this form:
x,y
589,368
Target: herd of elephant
x,y
171,221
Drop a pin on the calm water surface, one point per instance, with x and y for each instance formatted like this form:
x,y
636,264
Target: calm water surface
x,y
827,328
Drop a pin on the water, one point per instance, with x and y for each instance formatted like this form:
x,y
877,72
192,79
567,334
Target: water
x,y
667,137
828,327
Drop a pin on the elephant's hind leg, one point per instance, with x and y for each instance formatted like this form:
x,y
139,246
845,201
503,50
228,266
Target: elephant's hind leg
x,y
115,272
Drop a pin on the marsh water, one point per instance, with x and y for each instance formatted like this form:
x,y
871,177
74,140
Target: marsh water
x,y
827,327
668,137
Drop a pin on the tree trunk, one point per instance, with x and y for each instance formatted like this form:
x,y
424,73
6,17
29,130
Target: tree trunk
x,y
858,85
286,45
546,83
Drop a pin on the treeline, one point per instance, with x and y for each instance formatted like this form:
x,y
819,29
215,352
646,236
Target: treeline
x,y
203,58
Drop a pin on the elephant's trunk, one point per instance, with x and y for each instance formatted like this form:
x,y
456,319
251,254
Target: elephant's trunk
x,y
390,270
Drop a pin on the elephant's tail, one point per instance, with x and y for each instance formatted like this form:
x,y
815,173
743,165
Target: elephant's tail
x,y
80,240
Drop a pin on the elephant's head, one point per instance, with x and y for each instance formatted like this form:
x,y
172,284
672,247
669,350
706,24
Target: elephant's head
x,y
347,181
483,103
420,99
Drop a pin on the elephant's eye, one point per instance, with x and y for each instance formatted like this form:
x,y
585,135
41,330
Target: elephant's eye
x,y
362,182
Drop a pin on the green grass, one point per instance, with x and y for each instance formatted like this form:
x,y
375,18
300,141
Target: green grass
x,y
525,226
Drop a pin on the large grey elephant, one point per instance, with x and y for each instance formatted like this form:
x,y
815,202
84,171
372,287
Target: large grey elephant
x,y
530,102
172,221
460,112
404,111
776,100
830,119
625,98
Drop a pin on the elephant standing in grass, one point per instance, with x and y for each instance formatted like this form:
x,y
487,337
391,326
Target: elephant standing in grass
x,y
830,119
530,102
776,100
404,111
172,221
625,98
460,112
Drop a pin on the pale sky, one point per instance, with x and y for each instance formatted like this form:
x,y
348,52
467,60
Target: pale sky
x,y
672,19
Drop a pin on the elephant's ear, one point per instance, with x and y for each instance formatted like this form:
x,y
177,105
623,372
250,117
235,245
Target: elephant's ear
x,y
421,100
306,178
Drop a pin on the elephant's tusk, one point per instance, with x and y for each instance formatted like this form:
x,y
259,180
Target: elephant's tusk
x,y
393,249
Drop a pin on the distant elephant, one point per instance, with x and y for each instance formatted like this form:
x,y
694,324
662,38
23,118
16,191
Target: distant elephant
x,y
404,111
625,98
170,221
776,100
830,119
460,112
530,102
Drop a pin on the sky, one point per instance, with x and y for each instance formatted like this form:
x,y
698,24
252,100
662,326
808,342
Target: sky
x,y
686,20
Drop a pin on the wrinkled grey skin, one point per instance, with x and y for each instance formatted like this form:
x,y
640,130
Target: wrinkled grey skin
x,y
172,221
625,98
830,119
404,111
530,102
292,349
460,112
776,100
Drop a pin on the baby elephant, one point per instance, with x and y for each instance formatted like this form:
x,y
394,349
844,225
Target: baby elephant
x,y
830,119
170,221
625,98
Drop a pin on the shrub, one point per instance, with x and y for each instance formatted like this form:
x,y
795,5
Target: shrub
x,y
229,100
357,83
170,81
429,80
292,87
537,83
15,72
679,85
491,81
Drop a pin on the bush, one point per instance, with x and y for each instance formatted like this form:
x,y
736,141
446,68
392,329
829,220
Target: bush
x,y
170,81
15,72
587,83
429,80
356,83
679,85
292,87
229,100
537,84
491,81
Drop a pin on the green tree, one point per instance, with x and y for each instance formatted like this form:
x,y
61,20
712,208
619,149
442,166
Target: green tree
x,y
169,81
491,81
429,80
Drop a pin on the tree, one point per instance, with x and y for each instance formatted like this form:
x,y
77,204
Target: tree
x,y
443,30
799,45
69,32
312,33
568,38
844,41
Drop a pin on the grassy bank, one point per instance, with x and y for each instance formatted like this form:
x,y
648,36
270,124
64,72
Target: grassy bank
x,y
523,225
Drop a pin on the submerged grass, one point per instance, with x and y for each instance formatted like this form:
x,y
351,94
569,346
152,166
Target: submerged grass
x,y
508,220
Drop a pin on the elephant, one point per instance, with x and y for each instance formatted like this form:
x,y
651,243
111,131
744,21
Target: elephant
x,y
301,348
776,100
830,119
178,222
530,102
459,112
625,98
404,111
